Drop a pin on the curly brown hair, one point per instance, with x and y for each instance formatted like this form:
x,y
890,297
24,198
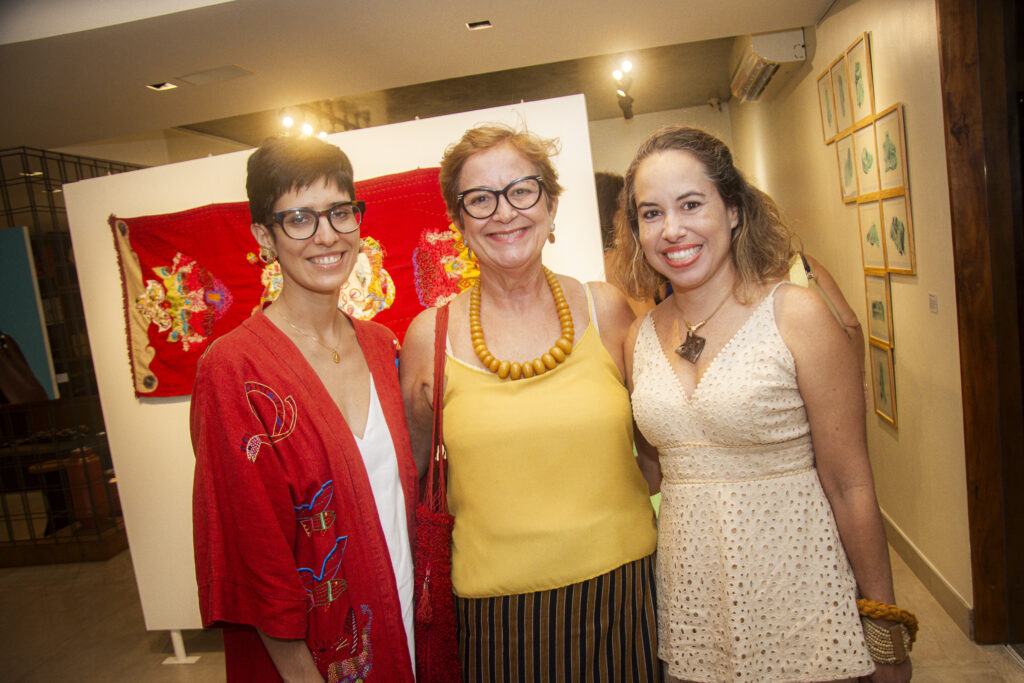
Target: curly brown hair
x,y
761,244
534,148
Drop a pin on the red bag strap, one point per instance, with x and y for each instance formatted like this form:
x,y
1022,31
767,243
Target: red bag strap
x,y
437,477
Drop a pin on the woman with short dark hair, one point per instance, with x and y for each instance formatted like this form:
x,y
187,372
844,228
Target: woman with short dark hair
x,y
304,480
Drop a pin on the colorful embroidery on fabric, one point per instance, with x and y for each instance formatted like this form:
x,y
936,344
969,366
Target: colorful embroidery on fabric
x,y
354,645
322,588
285,414
444,266
270,278
369,289
187,300
218,238
315,516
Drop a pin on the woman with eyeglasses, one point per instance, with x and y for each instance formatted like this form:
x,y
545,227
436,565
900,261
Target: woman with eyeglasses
x,y
304,479
552,549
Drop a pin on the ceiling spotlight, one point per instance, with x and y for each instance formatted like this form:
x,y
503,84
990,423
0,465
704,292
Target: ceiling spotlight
x,y
161,87
307,129
627,65
322,135
617,75
287,121
621,93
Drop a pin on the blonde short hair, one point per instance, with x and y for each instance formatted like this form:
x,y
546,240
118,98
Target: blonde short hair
x,y
535,149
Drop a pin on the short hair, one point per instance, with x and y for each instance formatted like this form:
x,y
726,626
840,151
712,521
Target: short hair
x,y
283,164
535,149
608,186
761,244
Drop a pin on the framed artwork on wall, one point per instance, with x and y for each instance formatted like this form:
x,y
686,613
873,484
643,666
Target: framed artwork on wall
x,y
879,301
841,94
892,150
880,365
858,59
872,244
847,169
865,160
898,232
826,107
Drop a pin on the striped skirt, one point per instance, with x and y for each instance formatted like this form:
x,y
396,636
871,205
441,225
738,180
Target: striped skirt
x,y
602,630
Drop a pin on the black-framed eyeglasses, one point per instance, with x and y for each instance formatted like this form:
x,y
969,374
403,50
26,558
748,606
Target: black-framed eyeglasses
x,y
482,202
301,223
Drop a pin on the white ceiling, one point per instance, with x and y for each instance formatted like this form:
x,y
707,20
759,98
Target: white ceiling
x,y
89,85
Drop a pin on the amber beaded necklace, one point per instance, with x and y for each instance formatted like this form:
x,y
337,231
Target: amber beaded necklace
x,y
538,366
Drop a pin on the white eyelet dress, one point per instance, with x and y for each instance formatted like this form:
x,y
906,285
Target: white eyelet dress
x,y
753,582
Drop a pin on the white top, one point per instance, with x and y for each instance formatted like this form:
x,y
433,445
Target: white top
x,y
381,461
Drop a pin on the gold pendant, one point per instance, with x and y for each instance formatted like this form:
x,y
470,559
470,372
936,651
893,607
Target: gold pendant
x,y
691,347
336,357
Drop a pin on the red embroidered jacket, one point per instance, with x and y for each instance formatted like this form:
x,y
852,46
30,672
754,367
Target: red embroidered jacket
x,y
286,531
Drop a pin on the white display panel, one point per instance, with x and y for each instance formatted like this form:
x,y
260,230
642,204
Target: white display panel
x,y
149,438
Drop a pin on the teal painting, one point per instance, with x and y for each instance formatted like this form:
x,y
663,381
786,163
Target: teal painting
x,y
858,82
898,235
872,236
889,153
867,160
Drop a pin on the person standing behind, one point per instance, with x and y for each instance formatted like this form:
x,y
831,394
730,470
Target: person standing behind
x,y
769,528
304,479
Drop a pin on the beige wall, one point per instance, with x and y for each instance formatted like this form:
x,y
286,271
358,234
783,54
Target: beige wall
x,y
919,467
613,142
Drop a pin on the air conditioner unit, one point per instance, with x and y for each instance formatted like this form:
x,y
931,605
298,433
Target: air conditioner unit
x,y
758,59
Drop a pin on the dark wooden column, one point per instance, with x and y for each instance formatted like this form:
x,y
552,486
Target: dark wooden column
x,y
984,189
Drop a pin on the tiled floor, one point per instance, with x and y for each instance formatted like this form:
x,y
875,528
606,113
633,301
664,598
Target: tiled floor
x,y
83,622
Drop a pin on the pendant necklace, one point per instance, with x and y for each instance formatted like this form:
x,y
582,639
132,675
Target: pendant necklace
x,y
693,344
336,357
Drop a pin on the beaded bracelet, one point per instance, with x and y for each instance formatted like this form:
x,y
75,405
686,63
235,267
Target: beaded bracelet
x,y
887,645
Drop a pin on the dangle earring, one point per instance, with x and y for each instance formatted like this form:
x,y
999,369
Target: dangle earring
x,y
551,233
267,255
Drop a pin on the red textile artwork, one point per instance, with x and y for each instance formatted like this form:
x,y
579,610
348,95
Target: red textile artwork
x,y
192,276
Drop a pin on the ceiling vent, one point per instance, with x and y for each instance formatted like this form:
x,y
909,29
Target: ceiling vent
x,y
761,59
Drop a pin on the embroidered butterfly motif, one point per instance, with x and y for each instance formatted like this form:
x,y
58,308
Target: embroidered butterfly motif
x,y
285,415
322,588
354,646
315,516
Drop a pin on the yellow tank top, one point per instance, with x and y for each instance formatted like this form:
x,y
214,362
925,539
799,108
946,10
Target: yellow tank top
x,y
543,482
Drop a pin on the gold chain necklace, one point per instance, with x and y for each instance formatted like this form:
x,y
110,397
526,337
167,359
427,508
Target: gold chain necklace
x,y
336,357
693,344
538,366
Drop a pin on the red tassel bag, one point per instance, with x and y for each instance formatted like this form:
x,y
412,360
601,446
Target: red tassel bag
x,y
437,650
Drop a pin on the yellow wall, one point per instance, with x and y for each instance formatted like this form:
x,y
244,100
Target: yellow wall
x,y
919,466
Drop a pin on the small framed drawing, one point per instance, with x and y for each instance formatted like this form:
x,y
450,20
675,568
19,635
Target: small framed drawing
x,y
865,160
841,94
883,381
898,233
858,60
879,300
892,150
847,170
872,244
827,107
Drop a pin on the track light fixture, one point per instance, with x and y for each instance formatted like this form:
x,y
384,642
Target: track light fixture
x,y
623,81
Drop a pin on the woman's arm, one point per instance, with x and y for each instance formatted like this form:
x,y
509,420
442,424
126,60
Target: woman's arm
x,y
614,317
830,383
292,659
847,317
416,376
647,455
